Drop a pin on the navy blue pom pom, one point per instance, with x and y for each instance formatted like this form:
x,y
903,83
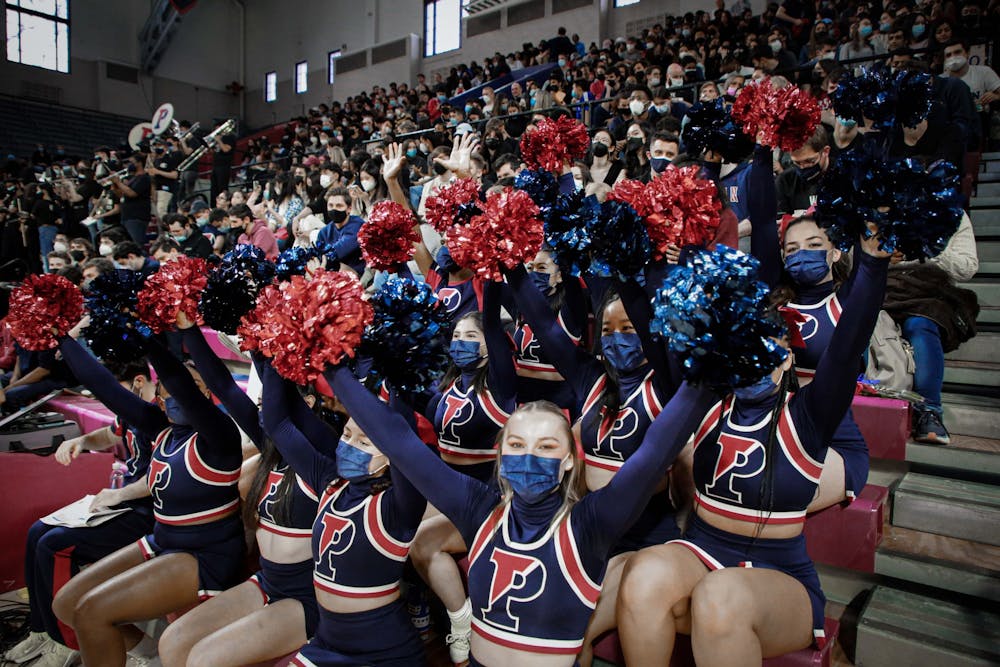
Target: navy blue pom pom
x,y
541,186
408,340
567,230
619,242
713,313
711,128
293,262
115,332
913,97
233,285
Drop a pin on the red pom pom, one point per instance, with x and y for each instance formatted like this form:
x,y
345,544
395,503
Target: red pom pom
x,y
175,288
783,118
39,306
509,232
306,325
679,207
442,206
553,143
387,237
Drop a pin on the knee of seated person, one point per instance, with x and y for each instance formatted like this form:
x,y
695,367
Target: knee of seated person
x,y
63,606
917,325
718,603
201,655
90,608
646,583
172,646
37,532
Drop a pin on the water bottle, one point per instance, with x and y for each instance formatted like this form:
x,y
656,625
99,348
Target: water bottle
x,y
117,475
419,610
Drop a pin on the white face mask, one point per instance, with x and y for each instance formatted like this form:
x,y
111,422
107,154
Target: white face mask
x,y
675,82
105,250
367,186
324,141
325,180
775,45
578,183
654,81
636,107
59,246
955,63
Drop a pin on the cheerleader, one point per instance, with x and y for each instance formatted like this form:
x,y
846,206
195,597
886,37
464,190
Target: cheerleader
x,y
279,597
817,286
618,399
360,539
538,547
740,581
196,549
473,402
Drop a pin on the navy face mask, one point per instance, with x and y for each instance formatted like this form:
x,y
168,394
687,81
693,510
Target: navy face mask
x,y
465,354
623,351
541,281
352,463
659,164
530,477
175,413
807,267
445,261
758,391
810,173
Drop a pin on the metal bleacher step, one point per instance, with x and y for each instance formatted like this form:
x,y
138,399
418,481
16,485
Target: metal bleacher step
x,y
987,291
947,563
985,345
988,190
971,415
978,373
983,201
988,250
985,222
966,510
903,628
988,176
967,457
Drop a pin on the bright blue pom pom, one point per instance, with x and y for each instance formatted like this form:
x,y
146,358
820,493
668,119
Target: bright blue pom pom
x,y
408,340
619,241
292,262
567,230
115,332
713,313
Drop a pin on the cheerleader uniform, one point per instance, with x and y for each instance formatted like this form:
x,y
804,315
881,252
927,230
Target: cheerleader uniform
x,y
276,581
55,554
467,422
609,440
533,581
360,539
821,307
732,452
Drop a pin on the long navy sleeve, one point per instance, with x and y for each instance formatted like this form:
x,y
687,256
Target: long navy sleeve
x,y
573,362
608,513
502,376
763,210
456,494
218,433
220,382
146,417
827,398
316,468
640,312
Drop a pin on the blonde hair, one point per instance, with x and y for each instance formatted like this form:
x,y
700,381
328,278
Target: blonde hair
x,y
573,484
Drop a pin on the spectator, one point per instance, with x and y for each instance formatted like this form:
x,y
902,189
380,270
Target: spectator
x,y
56,261
341,230
662,150
860,44
165,249
797,187
191,241
603,165
128,255
254,230
37,374
135,207
981,79
166,159
95,267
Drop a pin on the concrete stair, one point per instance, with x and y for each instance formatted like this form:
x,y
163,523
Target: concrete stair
x,y
956,508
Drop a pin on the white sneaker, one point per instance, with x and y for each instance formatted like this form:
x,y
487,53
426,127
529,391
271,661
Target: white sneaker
x,y
458,646
30,647
57,655
142,661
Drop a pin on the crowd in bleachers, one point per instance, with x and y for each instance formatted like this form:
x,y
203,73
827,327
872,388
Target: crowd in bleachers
x,y
80,216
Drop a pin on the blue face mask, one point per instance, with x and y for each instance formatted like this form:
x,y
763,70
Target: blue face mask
x,y
541,281
531,477
758,391
175,413
623,351
411,152
352,463
659,164
465,353
847,122
865,31
445,261
807,267
918,30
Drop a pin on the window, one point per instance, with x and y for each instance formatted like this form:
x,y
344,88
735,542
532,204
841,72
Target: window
x,y
38,33
331,66
442,26
301,77
625,3
270,86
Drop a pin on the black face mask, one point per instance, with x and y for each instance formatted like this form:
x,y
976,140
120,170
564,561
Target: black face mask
x,y
492,143
77,255
440,169
335,216
600,149
634,144
624,111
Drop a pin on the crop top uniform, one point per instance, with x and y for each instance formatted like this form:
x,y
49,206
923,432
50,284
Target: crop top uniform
x,y
821,307
731,451
360,540
608,441
533,582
